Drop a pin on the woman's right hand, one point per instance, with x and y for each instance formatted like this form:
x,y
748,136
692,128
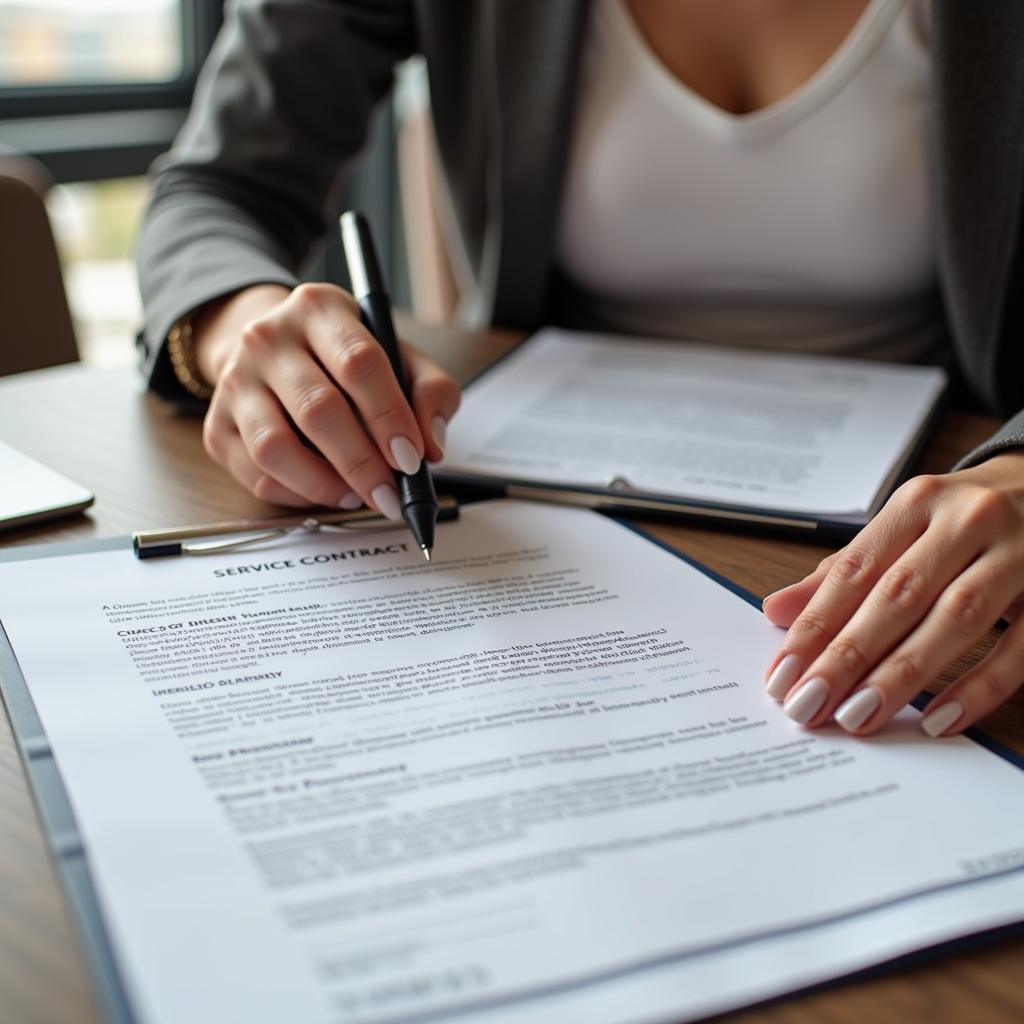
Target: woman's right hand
x,y
284,362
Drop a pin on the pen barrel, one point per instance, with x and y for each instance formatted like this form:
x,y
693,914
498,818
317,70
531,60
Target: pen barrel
x,y
416,491
360,254
376,314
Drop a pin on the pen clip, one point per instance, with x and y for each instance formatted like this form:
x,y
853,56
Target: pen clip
x,y
214,538
310,525
212,547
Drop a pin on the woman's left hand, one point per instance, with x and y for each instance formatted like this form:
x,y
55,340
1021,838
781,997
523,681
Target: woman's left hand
x,y
877,621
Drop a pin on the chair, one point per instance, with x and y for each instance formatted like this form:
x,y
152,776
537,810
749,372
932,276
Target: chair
x,y
35,322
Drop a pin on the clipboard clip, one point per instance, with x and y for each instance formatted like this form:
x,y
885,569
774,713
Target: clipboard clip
x,y
218,538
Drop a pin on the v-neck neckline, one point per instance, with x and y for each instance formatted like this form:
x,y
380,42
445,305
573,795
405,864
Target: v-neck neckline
x,y
870,26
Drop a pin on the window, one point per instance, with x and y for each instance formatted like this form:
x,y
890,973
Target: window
x,y
95,225
95,90
77,42
62,58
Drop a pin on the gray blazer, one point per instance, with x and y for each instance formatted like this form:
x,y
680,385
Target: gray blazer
x,y
283,105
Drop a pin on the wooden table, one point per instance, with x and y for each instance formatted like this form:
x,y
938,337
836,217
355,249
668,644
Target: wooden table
x,y
148,469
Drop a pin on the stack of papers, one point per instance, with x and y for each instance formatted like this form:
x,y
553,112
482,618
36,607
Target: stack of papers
x,y
534,780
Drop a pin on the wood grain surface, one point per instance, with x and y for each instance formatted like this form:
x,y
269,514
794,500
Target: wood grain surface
x,y
146,464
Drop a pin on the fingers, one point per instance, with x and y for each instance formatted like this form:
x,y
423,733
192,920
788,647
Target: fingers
x,y
847,581
900,603
274,448
226,446
270,440
980,690
963,613
264,487
358,364
889,610
309,370
323,413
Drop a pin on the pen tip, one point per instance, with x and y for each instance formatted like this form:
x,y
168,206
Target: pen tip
x,y
426,553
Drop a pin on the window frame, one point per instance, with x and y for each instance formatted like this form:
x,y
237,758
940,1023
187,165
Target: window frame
x,y
199,22
115,147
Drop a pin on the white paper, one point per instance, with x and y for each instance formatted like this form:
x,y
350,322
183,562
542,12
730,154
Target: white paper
x,y
534,780
785,432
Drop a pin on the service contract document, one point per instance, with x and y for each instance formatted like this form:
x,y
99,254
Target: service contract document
x,y
534,780
811,435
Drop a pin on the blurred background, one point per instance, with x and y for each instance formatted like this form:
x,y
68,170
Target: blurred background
x,y
91,91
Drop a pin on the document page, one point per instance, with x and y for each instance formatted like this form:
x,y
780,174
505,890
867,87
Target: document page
x,y
326,781
784,432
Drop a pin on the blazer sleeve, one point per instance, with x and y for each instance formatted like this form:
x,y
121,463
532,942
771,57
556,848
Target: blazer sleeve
x,y
282,107
1007,365
1009,435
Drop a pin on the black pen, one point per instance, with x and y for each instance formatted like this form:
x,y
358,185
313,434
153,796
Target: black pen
x,y
416,492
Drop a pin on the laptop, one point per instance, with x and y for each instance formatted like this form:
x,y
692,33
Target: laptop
x,y
31,492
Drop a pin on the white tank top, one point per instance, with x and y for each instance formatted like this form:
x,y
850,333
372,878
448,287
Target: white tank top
x,y
805,225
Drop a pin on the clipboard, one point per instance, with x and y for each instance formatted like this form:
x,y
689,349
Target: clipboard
x,y
70,857
617,496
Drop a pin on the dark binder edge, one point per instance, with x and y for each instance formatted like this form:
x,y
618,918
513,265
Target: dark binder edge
x,y
53,807
642,504
70,857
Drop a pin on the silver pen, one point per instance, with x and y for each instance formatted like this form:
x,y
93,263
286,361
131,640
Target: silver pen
x,y
243,533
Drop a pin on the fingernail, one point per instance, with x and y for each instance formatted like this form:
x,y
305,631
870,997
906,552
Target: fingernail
x,y
803,705
768,597
439,428
385,497
786,673
350,501
853,713
405,454
936,722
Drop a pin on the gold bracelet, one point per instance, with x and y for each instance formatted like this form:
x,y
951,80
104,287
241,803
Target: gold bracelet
x,y
182,353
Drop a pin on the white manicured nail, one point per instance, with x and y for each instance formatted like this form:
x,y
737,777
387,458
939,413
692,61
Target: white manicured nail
x,y
385,497
807,701
439,428
786,673
853,713
405,454
350,502
936,722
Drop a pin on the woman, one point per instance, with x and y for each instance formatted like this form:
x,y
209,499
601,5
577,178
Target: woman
x,y
841,176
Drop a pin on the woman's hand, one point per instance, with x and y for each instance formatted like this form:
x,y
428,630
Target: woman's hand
x,y
876,622
286,361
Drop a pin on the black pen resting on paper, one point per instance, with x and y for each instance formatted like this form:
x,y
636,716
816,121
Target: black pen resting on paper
x,y
416,492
